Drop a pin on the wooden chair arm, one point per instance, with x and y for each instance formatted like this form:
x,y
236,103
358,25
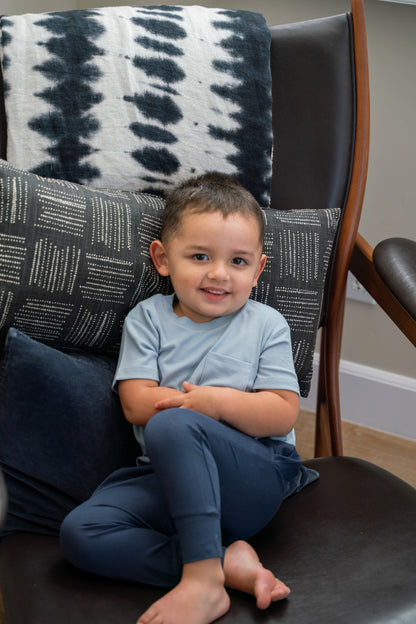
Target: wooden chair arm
x,y
363,268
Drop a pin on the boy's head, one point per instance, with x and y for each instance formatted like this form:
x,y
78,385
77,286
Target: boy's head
x,y
211,246
211,192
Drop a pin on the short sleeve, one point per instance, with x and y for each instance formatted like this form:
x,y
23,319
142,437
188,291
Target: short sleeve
x,y
139,347
276,368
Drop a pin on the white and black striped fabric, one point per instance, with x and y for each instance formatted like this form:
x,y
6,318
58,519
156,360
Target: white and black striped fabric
x,y
139,98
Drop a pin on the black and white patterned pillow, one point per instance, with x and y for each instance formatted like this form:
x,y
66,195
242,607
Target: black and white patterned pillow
x,y
298,245
74,260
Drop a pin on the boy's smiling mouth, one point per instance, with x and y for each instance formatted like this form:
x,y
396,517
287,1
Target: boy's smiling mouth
x,y
215,293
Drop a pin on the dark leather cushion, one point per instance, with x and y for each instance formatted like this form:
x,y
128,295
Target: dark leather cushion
x,y
313,112
346,545
395,261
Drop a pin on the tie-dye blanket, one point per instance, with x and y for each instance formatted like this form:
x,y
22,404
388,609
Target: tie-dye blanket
x,y
139,98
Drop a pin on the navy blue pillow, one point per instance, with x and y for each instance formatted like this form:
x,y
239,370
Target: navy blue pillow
x,y
62,431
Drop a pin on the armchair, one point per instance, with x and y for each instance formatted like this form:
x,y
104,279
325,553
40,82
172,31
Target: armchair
x,y
346,544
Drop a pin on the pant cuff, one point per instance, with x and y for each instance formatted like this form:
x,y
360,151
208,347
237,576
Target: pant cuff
x,y
199,537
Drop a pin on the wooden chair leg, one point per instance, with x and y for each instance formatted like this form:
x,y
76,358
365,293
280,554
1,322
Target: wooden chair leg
x,y
323,446
328,436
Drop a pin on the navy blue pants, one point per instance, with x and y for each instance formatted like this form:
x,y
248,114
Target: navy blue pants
x,y
207,485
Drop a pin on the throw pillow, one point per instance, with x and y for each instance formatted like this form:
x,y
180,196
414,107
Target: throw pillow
x,y
139,98
298,245
75,260
62,431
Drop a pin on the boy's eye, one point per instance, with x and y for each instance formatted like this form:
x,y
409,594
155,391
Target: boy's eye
x,y
200,257
238,261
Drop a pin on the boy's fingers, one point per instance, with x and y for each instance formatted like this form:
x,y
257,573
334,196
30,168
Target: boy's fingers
x,y
166,403
188,386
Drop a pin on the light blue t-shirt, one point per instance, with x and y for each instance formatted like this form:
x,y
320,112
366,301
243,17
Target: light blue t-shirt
x,y
248,350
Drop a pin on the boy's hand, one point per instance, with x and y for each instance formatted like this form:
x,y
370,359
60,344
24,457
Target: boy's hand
x,y
258,414
203,399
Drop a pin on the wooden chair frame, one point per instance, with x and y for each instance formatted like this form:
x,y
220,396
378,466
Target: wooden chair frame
x,y
328,440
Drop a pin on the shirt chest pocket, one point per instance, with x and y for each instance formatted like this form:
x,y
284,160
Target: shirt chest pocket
x,y
218,369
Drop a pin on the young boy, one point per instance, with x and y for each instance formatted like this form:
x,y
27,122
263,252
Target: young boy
x,y
206,376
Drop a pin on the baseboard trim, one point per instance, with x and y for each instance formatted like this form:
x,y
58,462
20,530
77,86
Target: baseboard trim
x,y
373,398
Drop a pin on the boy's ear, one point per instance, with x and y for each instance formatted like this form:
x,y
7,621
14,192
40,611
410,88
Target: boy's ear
x,y
262,264
159,257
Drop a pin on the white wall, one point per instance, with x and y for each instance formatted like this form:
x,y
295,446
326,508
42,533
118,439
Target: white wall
x,y
390,203
18,7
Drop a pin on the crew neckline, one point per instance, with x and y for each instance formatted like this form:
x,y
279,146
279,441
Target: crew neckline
x,y
185,320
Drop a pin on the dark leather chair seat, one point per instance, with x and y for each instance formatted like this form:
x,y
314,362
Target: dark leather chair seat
x,y
339,555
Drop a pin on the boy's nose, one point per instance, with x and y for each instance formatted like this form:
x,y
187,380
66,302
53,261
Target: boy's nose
x,y
218,272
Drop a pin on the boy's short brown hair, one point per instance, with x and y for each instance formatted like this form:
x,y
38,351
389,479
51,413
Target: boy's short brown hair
x,y
210,192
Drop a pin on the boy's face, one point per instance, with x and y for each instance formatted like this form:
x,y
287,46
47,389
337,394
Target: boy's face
x,y
213,263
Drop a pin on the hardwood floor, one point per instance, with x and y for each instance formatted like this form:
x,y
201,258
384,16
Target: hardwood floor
x,y
396,454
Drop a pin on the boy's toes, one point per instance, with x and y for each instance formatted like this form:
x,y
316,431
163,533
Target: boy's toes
x,y
280,591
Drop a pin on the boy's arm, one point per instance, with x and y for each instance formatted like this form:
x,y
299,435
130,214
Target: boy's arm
x,y
258,414
139,396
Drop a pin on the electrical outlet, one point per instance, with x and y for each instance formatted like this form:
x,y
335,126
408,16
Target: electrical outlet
x,y
356,291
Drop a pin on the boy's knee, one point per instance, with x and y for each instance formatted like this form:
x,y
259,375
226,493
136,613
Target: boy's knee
x,y
79,544
170,425
162,423
69,534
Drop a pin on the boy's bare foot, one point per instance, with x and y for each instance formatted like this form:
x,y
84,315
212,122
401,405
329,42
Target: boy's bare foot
x,y
244,571
199,598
